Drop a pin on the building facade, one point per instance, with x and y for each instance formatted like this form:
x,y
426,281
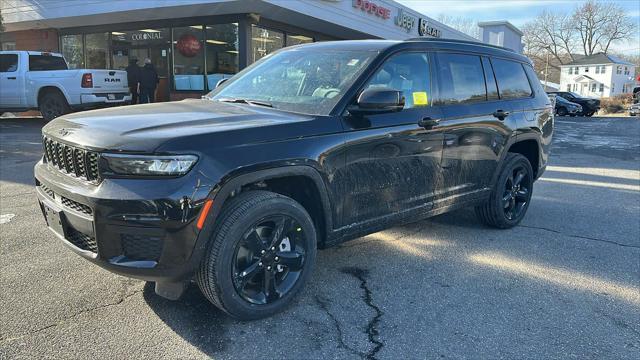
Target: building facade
x,y
599,75
195,43
501,33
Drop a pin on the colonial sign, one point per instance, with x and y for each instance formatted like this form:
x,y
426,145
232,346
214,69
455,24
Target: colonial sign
x,y
372,8
146,36
424,29
404,20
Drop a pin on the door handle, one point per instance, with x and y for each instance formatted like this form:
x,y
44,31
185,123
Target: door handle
x,y
11,78
501,114
428,123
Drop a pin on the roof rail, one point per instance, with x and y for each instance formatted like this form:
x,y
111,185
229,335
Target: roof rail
x,y
478,43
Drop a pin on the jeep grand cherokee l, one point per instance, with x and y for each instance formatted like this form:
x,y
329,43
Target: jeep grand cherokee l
x,y
309,147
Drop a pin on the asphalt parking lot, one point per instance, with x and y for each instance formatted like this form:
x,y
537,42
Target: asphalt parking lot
x,y
563,284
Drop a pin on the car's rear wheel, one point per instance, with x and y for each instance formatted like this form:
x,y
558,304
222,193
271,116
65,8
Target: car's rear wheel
x,y
562,111
260,255
590,113
511,194
53,104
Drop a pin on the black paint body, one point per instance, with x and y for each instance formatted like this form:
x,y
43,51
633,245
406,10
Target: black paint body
x,y
363,172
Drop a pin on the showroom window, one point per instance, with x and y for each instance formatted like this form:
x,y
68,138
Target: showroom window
x,y
222,52
188,58
264,42
97,46
73,50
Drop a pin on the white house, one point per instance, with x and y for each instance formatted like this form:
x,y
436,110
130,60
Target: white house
x,y
598,75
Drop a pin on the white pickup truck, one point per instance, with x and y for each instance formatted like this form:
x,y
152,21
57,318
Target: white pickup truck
x,y
34,80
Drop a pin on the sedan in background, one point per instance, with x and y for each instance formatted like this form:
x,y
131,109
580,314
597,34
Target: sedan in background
x,y
565,107
589,106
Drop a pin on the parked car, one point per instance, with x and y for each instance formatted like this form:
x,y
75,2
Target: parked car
x,y
589,106
308,147
634,109
34,80
564,107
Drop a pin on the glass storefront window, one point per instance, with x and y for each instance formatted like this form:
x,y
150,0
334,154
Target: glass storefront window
x,y
73,50
264,42
222,52
297,39
126,45
97,50
188,58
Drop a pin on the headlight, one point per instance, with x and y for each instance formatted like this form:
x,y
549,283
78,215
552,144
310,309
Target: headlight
x,y
143,165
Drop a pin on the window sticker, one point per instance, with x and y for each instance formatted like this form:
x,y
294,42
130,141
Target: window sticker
x,y
420,98
353,62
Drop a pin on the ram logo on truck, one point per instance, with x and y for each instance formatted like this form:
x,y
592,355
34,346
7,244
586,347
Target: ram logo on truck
x,y
113,80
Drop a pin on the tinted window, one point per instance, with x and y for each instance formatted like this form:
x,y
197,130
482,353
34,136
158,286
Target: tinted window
x,y
409,73
46,62
512,80
461,79
492,89
8,62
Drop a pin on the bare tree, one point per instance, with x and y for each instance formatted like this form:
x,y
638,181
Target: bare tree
x,y
601,24
551,33
462,24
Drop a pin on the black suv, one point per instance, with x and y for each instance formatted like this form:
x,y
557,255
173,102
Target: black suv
x,y
309,147
589,106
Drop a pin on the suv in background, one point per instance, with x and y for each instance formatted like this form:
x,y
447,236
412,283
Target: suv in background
x,y
589,105
309,147
564,107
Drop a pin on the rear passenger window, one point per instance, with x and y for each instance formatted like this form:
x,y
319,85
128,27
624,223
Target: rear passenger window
x,y
461,79
492,89
8,62
407,72
512,80
46,63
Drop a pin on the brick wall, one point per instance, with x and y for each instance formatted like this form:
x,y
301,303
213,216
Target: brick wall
x,y
37,40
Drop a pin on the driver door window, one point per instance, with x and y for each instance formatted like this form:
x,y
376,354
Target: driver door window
x,y
409,73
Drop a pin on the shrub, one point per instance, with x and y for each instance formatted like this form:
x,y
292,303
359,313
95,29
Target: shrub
x,y
615,104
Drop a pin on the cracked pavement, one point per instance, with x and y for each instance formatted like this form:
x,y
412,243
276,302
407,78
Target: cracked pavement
x,y
563,284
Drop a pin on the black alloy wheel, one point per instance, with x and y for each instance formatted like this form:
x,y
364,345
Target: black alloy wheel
x,y
516,193
511,195
269,259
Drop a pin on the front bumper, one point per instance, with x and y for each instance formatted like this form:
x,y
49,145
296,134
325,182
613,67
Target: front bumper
x,y
133,227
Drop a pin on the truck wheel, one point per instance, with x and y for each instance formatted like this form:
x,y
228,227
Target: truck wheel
x,y
53,104
260,255
511,194
562,112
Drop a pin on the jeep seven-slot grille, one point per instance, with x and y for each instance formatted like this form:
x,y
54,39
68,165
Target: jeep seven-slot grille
x,y
73,161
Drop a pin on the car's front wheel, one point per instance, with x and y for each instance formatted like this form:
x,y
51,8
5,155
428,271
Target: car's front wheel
x,y
511,194
562,111
261,254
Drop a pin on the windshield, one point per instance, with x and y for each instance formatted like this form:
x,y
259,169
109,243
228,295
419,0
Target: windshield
x,y
300,80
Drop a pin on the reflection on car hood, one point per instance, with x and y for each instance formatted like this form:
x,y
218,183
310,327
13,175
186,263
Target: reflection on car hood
x,y
145,127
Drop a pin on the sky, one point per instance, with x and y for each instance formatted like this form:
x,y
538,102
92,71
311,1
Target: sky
x,y
518,12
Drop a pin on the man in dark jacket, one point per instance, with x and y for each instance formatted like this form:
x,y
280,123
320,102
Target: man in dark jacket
x,y
148,82
133,77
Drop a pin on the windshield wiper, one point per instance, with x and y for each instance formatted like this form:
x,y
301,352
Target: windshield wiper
x,y
246,101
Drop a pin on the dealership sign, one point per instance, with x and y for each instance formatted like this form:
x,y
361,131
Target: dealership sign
x,y
371,7
146,36
424,29
404,20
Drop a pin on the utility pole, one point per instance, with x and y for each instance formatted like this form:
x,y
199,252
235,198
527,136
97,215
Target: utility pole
x,y
546,71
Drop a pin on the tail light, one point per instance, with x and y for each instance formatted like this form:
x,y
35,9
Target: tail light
x,y
87,81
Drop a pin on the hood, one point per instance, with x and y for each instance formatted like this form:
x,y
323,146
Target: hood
x,y
143,128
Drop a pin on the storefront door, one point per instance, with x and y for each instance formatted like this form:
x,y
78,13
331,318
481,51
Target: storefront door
x,y
159,58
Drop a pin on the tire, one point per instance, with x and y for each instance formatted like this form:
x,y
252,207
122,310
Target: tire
x,y
53,104
494,211
589,114
230,255
562,111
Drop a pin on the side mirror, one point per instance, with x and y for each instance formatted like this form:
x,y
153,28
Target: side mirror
x,y
378,101
221,81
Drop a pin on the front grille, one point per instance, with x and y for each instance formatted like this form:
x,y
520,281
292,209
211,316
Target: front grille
x,y
83,241
72,204
48,191
141,247
73,161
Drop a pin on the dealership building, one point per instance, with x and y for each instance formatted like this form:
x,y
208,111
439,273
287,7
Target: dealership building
x,y
195,43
